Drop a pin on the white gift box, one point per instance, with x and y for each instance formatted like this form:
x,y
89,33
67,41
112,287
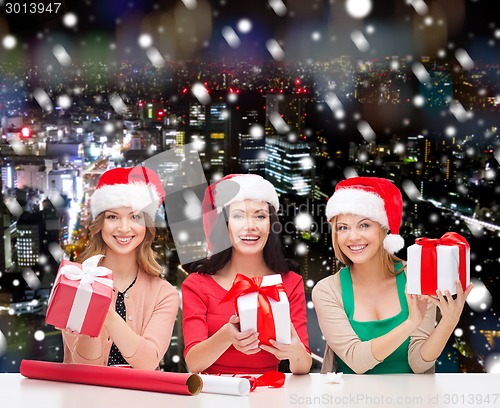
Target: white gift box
x,y
247,310
447,269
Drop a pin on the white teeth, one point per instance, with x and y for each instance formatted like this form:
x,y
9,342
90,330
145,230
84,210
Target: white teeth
x,y
123,240
245,238
357,247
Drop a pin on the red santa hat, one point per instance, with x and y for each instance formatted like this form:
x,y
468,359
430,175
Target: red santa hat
x,y
233,188
375,198
137,187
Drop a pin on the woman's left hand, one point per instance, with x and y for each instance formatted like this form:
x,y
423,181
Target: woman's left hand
x,y
450,308
285,351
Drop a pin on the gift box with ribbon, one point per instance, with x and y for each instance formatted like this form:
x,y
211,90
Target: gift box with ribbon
x,y
262,305
81,296
434,264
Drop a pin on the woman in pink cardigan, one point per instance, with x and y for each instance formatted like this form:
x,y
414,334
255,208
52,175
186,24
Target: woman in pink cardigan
x,y
139,323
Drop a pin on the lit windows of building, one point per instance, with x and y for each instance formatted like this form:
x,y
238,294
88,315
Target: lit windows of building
x,y
290,167
29,239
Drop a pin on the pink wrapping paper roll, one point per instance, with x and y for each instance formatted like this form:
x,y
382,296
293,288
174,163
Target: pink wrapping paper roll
x,y
145,380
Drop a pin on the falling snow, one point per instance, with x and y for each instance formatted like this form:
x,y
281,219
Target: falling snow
x,y
278,6
9,42
366,131
303,221
358,8
275,49
200,92
244,26
70,20
360,41
231,37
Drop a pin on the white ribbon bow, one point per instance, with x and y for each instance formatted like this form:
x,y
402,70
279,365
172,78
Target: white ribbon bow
x,y
89,273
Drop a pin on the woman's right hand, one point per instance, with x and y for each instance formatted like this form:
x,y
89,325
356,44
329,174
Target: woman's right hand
x,y
246,342
417,307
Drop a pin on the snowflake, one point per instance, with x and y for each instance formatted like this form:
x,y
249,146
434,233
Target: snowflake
x,y
418,101
480,298
275,49
464,59
64,101
39,335
303,221
278,6
244,26
62,55
201,93
9,42
231,37
358,8
366,131
360,41
301,248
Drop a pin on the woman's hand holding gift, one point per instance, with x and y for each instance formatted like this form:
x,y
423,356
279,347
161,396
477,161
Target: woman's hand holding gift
x,y
450,308
417,307
285,351
247,342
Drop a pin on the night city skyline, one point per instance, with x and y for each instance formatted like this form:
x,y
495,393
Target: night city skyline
x,y
303,94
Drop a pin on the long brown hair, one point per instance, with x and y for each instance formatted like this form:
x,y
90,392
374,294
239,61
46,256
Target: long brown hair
x,y
145,255
388,259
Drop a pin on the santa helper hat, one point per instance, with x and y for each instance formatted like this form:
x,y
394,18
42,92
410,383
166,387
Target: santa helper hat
x,y
375,198
233,188
137,187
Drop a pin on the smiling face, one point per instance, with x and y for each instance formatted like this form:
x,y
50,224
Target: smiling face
x,y
248,225
123,230
358,237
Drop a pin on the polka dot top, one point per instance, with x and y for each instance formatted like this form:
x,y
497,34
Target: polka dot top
x,y
115,356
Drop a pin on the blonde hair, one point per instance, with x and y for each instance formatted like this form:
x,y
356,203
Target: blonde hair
x,y
145,255
388,259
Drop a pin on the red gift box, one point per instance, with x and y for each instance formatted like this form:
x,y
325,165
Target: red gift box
x,y
262,305
81,296
434,264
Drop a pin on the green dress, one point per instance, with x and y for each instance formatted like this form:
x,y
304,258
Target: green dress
x,y
395,363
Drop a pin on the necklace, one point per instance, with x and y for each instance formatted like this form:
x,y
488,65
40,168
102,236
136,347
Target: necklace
x,y
127,280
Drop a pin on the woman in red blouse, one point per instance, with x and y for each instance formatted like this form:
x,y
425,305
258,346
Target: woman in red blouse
x,y
242,229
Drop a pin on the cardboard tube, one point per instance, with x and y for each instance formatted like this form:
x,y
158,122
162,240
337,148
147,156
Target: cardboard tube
x,y
217,384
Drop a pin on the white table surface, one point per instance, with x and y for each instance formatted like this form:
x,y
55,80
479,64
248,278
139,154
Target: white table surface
x,y
313,390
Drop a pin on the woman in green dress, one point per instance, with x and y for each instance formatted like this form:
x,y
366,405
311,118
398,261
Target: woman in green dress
x,y
370,324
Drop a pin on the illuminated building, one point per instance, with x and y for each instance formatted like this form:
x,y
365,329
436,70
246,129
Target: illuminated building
x,y
30,230
252,152
289,166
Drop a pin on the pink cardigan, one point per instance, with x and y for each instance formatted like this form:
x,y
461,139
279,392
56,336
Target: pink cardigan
x,y
152,305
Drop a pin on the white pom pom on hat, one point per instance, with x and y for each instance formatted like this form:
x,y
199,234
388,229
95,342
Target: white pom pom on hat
x,y
375,198
137,187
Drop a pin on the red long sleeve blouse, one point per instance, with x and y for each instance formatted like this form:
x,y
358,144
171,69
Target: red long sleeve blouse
x,y
204,315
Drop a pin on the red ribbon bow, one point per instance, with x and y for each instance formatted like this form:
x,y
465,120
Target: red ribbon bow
x,y
243,285
273,379
429,261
